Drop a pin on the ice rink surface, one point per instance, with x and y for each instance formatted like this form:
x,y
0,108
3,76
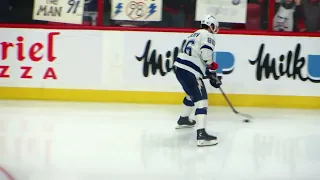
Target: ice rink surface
x,y
97,141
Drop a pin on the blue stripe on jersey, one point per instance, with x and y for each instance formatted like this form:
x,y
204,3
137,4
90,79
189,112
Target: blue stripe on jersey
x,y
206,47
190,64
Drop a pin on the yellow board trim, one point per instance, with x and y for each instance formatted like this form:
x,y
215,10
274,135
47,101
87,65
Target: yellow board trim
x,y
247,100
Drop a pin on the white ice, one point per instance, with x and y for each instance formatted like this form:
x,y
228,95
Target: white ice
x,y
100,141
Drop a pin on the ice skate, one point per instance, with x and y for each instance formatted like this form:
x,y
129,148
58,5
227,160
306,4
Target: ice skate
x,y
185,122
204,139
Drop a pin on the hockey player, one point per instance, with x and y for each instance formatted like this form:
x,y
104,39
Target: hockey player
x,y
194,62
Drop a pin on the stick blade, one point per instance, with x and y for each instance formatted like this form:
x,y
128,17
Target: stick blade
x,y
245,115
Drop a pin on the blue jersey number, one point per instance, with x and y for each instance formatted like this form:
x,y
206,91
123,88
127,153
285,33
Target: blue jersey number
x,y
188,47
211,41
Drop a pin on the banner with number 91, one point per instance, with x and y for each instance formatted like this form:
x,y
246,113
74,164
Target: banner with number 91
x,y
63,11
136,10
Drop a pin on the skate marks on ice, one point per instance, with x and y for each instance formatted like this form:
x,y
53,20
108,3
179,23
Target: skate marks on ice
x,y
100,141
262,150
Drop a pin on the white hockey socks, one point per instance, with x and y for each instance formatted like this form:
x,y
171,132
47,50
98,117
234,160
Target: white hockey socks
x,y
201,120
201,114
187,107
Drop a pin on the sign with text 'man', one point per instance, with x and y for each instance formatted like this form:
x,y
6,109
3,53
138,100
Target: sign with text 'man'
x,y
229,11
62,11
136,10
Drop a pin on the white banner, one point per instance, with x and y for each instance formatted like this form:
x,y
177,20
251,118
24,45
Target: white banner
x,y
139,10
270,65
143,61
231,11
63,11
51,59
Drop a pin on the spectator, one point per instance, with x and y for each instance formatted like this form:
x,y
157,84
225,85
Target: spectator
x,y
284,18
90,12
312,15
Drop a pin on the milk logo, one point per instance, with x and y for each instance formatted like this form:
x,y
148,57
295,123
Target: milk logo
x,y
288,65
153,62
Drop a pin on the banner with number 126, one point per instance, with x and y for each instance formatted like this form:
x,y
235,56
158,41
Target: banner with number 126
x,y
136,10
63,11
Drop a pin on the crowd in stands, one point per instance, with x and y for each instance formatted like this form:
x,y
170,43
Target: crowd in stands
x,y
305,15
290,15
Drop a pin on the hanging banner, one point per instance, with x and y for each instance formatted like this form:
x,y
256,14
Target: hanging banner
x,y
62,11
139,10
230,11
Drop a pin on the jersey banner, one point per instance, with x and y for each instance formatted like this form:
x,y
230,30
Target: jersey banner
x,y
62,11
139,10
230,11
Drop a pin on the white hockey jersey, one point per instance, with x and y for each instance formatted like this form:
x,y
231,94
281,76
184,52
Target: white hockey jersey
x,y
197,53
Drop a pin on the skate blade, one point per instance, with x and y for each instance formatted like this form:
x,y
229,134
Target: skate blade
x,y
184,126
202,143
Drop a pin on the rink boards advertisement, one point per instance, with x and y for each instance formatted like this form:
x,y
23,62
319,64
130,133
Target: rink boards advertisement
x,y
50,59
133,66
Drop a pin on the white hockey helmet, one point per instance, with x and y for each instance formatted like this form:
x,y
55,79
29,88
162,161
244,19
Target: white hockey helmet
x,y
212,22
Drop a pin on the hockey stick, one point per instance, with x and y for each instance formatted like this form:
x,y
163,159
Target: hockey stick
x,y
231,106
229,102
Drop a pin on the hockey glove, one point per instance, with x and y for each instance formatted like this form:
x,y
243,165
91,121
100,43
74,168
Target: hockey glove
x,y
215,81
211,73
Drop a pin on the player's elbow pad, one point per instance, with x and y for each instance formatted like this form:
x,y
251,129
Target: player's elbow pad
x,y
206,55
